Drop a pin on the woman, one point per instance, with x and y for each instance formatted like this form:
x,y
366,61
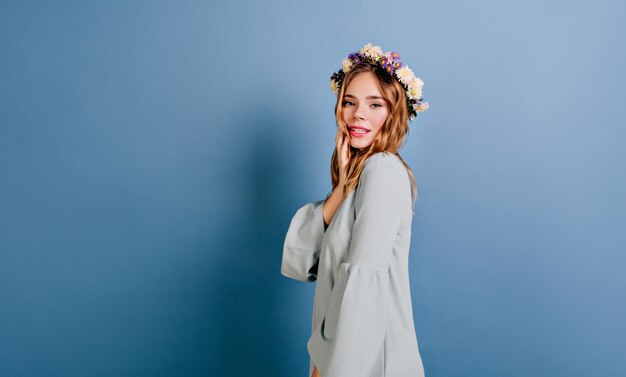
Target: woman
x,y
355,243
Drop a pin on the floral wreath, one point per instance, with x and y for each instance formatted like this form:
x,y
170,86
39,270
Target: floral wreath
x,y
390,62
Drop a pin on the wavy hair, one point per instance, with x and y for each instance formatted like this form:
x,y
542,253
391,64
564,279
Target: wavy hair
x,y
391,136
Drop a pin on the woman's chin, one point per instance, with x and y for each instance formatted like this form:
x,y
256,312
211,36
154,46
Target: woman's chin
x,y
359,144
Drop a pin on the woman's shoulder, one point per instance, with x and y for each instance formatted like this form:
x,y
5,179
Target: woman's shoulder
x,y
384,160
383,155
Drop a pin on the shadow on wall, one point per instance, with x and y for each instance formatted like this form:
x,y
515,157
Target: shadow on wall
x,y
247,297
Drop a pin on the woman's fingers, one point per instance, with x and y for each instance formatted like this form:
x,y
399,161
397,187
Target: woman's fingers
x,y
339,140
346,149
343,152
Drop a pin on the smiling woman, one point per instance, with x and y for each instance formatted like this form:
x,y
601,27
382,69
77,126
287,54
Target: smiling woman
x,y
364,110
355,243
372,113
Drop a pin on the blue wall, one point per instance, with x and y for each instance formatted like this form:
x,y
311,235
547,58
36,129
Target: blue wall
x,y
153,153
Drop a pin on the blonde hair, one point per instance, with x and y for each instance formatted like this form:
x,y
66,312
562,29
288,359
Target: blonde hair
x,y
390,137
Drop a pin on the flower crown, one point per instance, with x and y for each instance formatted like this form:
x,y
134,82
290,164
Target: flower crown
x,y
390,62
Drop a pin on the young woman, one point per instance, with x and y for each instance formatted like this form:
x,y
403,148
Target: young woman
x,y
355,242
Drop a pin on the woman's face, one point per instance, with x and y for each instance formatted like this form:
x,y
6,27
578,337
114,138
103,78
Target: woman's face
x,y
363,109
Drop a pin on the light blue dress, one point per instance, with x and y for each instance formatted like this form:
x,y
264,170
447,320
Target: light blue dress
x,y
362,314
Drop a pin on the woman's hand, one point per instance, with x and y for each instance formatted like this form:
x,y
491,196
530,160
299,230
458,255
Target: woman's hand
x,y
343,152
336,197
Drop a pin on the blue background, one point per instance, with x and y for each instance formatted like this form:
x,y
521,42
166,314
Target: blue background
x,y
152,155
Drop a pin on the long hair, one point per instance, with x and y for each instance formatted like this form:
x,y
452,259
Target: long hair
x,y
390,137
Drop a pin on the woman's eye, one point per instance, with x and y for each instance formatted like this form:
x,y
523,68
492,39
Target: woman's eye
x,y
350,103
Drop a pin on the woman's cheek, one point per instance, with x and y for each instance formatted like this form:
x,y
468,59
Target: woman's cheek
x,y
380,120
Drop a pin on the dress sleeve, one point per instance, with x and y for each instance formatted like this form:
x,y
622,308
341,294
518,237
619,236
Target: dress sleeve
x,y
303,242
357,314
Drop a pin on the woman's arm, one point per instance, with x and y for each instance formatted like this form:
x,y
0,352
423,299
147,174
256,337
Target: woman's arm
x,y
331,204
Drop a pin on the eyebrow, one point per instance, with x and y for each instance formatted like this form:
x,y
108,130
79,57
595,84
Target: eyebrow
x,y
368,97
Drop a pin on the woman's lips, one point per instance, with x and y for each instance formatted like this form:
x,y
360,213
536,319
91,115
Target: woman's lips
x,y
357,134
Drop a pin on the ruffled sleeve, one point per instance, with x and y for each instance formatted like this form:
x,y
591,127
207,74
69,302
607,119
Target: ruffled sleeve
x,y
357,314
303,242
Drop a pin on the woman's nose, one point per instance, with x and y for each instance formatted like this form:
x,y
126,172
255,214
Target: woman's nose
x,y
359,113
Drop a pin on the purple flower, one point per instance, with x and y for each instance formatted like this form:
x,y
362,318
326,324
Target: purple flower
x,y
387,65
394,56
355,57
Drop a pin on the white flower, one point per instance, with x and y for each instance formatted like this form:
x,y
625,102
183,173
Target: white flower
x,y
416,88
415,92
334,86
421,107
366,48
347,64
371,51
405,75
